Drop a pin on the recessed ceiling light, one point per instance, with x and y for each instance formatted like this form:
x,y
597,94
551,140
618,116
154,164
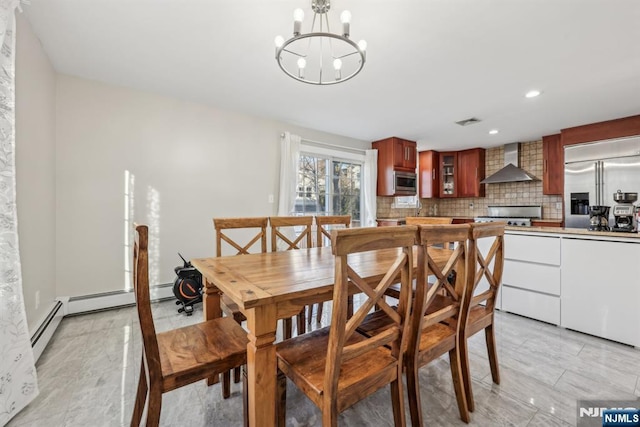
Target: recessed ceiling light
x,y
493,131
532,93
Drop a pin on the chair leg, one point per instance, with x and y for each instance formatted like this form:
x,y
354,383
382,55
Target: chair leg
x,y
141,397
319,312
302,323
466,372
236,375
281,406
350,307
397,399
245,397
458,385
490,338
226,384
413,391
287,328
155,406
309,313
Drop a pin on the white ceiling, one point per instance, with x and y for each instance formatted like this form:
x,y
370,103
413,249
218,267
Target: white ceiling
x,y
429,62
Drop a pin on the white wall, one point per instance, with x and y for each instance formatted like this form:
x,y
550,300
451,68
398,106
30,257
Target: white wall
x,y
195,161
35,170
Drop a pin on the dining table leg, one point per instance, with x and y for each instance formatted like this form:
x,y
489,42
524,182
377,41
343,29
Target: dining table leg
x,y
261,365
212,310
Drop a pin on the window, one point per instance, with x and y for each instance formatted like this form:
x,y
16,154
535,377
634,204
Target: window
x,y
329,185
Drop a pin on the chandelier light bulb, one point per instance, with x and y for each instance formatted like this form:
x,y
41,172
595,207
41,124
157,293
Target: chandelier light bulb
x,y
362,44
337,64
302,63
345,18
279,41
298,16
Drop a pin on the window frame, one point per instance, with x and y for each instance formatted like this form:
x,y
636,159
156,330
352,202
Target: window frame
x,y
333,155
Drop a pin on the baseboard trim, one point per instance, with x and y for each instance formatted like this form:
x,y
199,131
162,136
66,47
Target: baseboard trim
x,y
47,328
108,300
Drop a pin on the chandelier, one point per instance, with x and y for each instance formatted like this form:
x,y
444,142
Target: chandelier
x,y
320,57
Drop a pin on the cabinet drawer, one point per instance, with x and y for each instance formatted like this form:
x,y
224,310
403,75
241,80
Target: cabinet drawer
x,y
537,277
531,304
544,250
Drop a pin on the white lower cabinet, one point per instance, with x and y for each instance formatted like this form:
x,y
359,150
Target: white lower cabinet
x,y
531,277
601,288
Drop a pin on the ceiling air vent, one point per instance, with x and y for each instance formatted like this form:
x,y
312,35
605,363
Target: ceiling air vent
x,y
467,122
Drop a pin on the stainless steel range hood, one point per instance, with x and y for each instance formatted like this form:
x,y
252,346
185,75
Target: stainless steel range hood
x,y
511,172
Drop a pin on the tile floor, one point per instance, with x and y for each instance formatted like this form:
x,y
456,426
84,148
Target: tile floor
x,y
88,375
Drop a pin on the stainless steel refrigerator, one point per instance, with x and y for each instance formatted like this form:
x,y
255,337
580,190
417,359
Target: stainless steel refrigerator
x,y
594,171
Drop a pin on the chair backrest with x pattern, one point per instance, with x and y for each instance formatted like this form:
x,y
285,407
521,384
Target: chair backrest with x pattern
x,y
324,225
222,224
452,301
303,240
349,241
487,265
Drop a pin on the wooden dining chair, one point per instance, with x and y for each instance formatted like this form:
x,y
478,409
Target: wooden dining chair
x,y
283,233
324,225
181,356
394,291
252,231
489,265
337,366
434,329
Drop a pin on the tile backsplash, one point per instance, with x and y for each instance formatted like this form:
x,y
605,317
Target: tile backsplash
x,y
512,193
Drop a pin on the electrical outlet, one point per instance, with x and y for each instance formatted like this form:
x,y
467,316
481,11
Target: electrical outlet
x,y
470,205
559,205
270,198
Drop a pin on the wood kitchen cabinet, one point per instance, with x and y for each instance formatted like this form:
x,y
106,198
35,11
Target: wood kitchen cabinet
x,y
428,174
448,169
461,173
394,155
553,165
470,173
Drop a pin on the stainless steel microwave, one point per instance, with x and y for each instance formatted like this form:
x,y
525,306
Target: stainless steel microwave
x,y
405,183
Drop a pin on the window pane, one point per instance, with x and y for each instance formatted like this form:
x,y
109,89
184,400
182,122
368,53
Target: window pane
x,y
327,186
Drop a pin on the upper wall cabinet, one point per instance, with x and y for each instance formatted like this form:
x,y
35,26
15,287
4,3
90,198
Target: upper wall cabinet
x,y
394,155
553,165
452,174
428,174
471,172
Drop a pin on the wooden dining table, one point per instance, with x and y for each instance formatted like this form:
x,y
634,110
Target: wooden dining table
x,y
277,285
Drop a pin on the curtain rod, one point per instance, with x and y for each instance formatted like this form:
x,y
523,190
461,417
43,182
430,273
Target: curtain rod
x,y
326,145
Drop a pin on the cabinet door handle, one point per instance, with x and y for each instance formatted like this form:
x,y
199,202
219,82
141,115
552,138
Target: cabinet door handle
x,y
476,172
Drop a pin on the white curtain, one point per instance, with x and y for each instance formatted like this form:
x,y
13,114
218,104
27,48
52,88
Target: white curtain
x,y
18,384
369,188
289,159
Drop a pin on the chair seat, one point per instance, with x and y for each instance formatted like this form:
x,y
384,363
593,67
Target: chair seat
x,y
303,359
375,323
479,318
231,309
193,352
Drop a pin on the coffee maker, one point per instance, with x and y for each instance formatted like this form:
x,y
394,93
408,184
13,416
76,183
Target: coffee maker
x,y
623,211
599,218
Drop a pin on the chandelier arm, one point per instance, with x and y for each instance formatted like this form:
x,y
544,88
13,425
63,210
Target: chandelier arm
x,y
347,55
